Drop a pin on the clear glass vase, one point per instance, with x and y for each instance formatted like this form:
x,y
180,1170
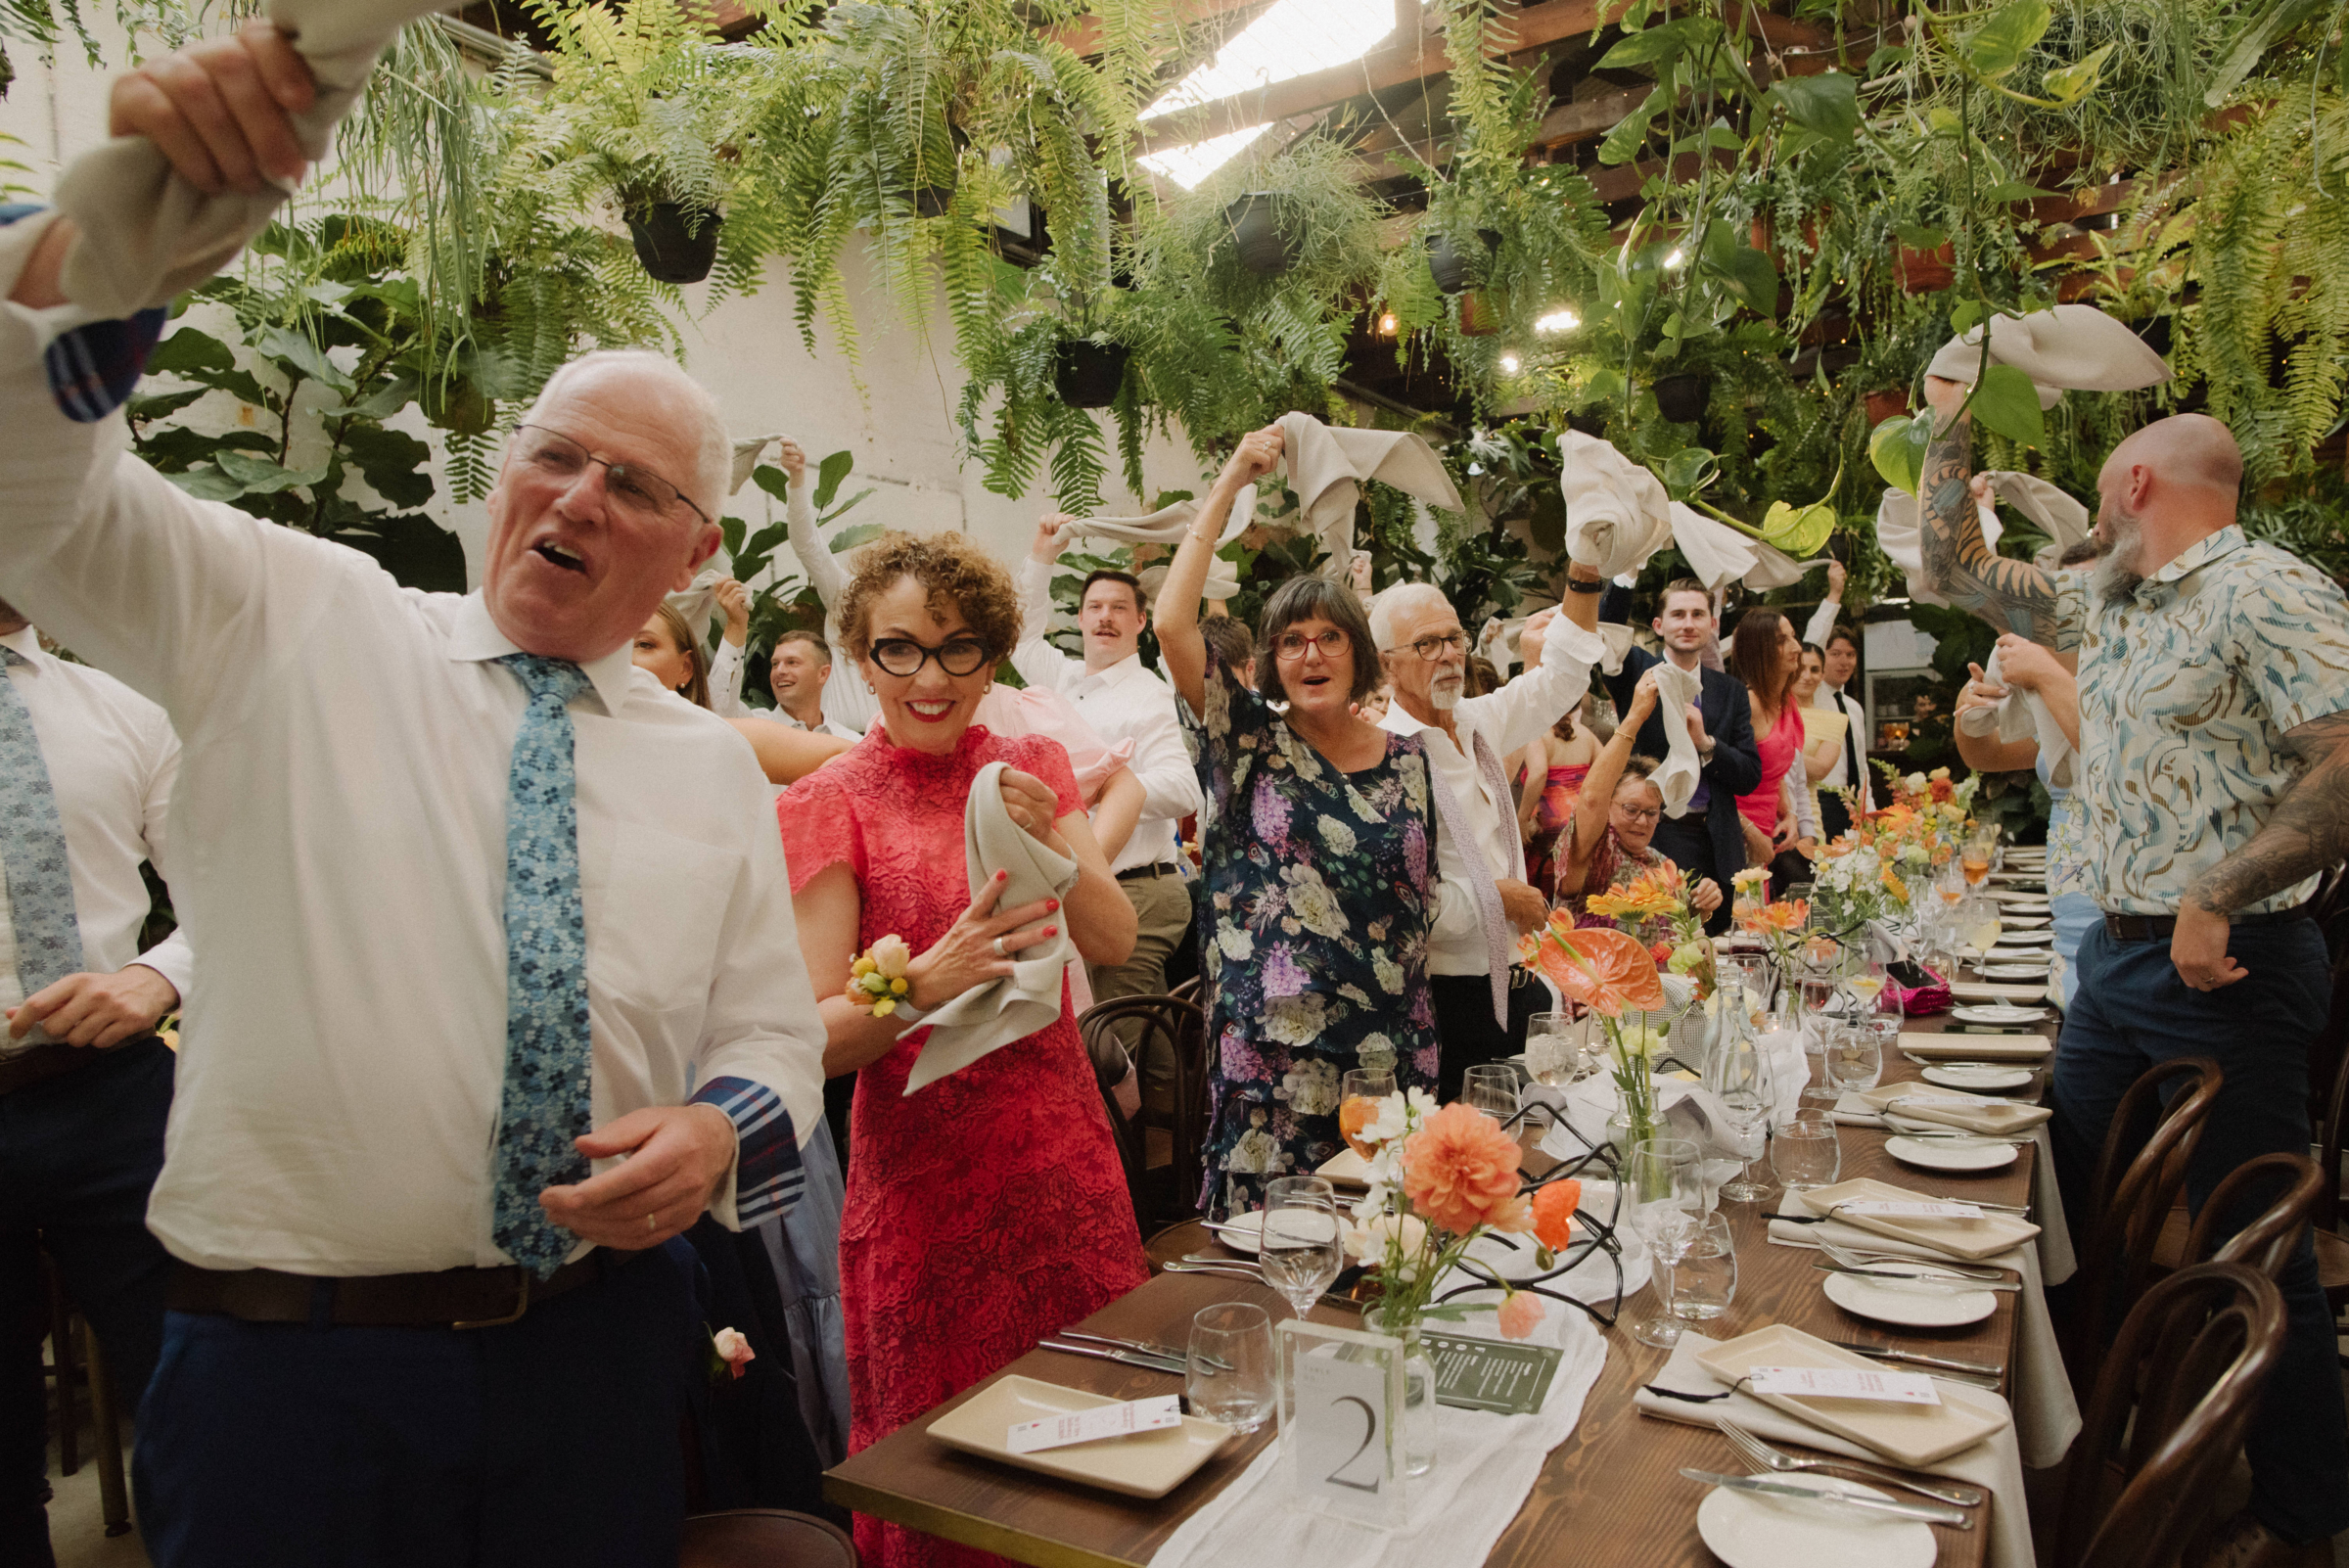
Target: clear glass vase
x,y
1418,1398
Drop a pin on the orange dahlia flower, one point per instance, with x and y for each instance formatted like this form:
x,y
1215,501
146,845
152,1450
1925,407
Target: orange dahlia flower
x,y
1459,1170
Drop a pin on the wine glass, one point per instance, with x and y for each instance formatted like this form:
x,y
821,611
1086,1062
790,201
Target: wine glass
x,y
1974,857
1303,1245
1744,978
1978,916
1949,881
1704,1275
1662,1196
1490,1087
1739,1078
1359,1093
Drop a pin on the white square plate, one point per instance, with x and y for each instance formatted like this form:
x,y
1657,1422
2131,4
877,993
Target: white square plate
x,y
1141,1464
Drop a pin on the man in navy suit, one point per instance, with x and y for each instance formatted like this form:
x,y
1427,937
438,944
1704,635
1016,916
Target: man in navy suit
x,y
1706,842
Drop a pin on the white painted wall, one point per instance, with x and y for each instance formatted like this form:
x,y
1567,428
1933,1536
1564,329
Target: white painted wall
x,y
899,424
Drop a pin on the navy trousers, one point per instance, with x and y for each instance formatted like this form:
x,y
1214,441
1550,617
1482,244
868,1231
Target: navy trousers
x,y
79,1156
2130,1012
552,1440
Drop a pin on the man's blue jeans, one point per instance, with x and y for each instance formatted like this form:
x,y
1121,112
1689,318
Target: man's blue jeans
x,y
2132,1012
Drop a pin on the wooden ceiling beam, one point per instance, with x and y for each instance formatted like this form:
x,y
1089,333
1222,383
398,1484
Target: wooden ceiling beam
x,y
1084,35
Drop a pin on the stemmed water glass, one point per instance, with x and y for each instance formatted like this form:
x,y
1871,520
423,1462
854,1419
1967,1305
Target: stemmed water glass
x,y
1663,1196
1739,1078
1556,1045
1358,1094
1303,1240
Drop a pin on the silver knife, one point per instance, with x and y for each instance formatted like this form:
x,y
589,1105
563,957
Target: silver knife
x,y
1885,1353
1926,1283
1153,1363
1928,1512
1142,1347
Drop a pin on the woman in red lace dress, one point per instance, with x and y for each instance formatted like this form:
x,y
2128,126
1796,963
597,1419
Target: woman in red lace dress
x,y
988,1209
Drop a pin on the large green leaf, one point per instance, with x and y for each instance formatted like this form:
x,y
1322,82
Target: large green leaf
x,y
297,350
849,539
190,352
1748,272
1827,104
1629,133
2279,19
1687,470
2006,402
1998,45
1664,42
207,484
396,464
828,475
772,479
2068,84
1798,530
261,477
1897,447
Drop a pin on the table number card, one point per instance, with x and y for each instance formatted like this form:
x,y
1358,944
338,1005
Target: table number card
x,y
1341,1418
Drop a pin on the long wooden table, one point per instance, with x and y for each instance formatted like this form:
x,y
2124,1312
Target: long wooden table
x,y
1610,1495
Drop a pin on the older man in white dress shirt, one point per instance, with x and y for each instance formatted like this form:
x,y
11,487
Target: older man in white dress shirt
x,y
1482,999
1123,702
481,904
85,1086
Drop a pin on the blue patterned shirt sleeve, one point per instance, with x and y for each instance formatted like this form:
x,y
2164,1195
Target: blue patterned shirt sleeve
x,y
768,1177
2291,639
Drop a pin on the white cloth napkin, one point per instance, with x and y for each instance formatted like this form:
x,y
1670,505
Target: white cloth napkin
x,y
2047,1417
1327,465
1995,1464
1930,1104
1717,553
1486,1465
1168,526
2069,348
1616,512
1026,999
1675,689
147,235
2022,715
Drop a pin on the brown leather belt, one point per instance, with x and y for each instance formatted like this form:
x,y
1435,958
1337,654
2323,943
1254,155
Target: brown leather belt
x,y
1164,868
41,1063
449,1298
2160,928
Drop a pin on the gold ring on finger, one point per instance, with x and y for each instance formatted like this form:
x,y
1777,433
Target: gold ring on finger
x,y
652,1221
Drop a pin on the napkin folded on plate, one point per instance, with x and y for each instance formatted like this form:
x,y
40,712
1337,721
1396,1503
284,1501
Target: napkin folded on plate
x,y
1948,1107
1994,1463
147,235
2047,1416
1023,1001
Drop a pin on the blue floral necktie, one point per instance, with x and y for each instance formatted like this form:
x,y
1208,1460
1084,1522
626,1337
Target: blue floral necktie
x,y
545,1102
33,843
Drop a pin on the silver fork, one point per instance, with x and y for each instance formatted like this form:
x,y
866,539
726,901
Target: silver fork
x,y
1757,1452
1863,1257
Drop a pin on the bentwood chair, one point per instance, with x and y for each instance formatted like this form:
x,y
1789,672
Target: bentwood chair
x,y
1175,1028
2167,1418
2139,1174
2255,1216
764,1538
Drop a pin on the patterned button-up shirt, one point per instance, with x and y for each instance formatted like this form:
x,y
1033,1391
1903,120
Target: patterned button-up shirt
x,y
2186,691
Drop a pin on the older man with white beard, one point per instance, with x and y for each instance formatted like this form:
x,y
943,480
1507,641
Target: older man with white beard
x,y
1481,998
2214,772
483,910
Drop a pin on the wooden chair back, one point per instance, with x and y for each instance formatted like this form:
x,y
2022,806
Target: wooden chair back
x,y
2153,1138
1176,1025
2167,1418
2258,1214
764,1538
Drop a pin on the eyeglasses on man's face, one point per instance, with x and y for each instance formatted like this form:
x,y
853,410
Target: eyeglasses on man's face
x,y
1437,645
1290,646
637,491
902,657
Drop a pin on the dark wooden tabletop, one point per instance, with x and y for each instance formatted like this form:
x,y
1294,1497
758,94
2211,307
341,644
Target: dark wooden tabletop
x,y
1611,1494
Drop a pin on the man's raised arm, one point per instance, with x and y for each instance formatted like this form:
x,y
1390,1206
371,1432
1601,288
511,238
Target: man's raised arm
x,y
2011,595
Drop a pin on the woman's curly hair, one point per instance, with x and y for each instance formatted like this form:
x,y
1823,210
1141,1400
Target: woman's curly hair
x,y
953,569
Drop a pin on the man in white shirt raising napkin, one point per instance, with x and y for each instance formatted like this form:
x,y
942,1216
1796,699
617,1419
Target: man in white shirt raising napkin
x,y
86,766
483,908
1483,999
1839,663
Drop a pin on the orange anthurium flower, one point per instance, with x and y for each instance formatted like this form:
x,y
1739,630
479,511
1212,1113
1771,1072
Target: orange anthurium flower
x,y
1604,970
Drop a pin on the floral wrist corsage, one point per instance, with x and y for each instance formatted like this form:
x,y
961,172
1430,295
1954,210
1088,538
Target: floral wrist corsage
x,y
877,983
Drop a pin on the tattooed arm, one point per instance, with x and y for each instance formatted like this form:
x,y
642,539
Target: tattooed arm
x,y
2011,595
2305,833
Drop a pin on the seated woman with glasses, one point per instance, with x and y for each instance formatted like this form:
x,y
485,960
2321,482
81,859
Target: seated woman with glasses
x,y
990,1208
1319,853
1609,840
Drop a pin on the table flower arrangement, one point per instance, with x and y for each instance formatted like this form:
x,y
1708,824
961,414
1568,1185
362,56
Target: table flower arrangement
x,y
1874,871
1658,908
1611,973
1440,1179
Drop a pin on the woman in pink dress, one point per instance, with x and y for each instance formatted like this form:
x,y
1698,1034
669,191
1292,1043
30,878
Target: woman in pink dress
x,y
1557,764
1781,827
988,1209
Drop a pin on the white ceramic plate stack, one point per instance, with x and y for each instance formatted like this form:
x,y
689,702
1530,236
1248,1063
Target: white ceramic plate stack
x,y
1978,1078
1986,1013
1946,1153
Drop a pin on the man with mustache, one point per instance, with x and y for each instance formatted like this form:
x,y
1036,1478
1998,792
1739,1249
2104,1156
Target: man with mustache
x,y
1481,998
502,987
2214,770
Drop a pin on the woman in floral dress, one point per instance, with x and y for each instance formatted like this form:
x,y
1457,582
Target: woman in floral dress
x,y
1318,846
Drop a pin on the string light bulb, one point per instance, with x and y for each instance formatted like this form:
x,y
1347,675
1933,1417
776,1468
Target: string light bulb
x,y
1388,325
1675,260
1510,364
1560,320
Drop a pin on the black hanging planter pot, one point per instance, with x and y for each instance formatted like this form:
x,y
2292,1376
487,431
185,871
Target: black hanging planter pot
x,y
1087,374
669,245
931,201
1682,398
1450,266
1264,247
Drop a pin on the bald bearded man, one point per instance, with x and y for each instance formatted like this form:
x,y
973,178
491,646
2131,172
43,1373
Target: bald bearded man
x,y
2214,773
